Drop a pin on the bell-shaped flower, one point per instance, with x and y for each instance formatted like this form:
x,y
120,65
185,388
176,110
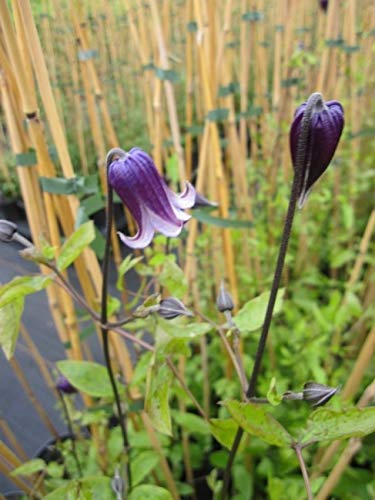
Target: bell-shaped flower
x,y
152,204
326,124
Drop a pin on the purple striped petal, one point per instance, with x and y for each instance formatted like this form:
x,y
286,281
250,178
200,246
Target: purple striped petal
x,y
152,204
326,126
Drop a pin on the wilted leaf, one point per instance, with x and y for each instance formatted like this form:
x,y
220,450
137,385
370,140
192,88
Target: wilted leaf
x,y
255,420
251,316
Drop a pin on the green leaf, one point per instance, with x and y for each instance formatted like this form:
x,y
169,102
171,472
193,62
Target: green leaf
x,y
203,216
224,431
172,277
159,380
251,315
21,286
272,395
76,243
29,468
150,492
327,425
88,488
87,377
190,422
255,420
26,159
143,464
190,331
128,263
10,317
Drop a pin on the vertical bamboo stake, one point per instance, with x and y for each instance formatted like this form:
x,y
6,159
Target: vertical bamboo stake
x,y
170,97
30,393
218,167
8,433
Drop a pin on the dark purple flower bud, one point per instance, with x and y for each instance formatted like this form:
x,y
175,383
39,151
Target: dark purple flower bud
x,y
319,145
224,301
7,230
318,394
323,5
171,307
201,201
152,204
63,385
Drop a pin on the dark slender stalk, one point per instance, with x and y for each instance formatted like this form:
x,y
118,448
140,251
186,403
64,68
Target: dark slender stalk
x,y
302,465
71,432
299,174
104,319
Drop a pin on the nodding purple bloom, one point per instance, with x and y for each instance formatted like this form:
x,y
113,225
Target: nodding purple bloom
x,y
324,5
152,204
326,124
63,385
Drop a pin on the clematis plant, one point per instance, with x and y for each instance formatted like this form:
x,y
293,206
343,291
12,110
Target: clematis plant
x,y
135,179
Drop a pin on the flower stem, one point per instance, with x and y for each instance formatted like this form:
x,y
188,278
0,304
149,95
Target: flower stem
x,y
302,465
104,319
300,170
71,432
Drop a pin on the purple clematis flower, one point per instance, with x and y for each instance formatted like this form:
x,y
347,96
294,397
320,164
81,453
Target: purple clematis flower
x,y
152,204
326,124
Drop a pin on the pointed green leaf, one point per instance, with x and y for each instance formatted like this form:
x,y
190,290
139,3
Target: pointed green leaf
x,y
177,328
142,465
128,263
255,420
29,468
190,422
327,425
173,278
10,317
21,286
159,381
88,488
150,492
75,244
203,215
224,431
87,377
251,315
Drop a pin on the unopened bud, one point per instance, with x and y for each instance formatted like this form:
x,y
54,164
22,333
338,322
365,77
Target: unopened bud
x,y
63,385
117,484
224,301
7,230
318,394
171,308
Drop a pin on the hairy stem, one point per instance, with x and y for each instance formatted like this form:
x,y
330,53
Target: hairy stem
x,y
300,170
